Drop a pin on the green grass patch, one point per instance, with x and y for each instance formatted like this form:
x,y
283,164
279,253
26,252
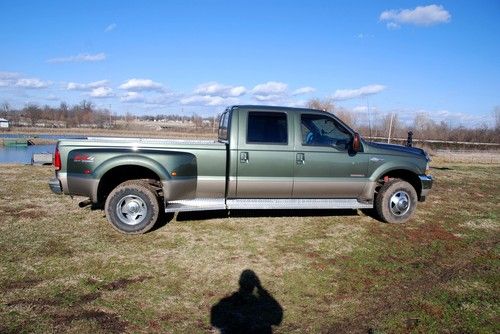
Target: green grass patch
x,y
64,269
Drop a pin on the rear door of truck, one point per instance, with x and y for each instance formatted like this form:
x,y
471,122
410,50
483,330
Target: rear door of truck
x,y
265,157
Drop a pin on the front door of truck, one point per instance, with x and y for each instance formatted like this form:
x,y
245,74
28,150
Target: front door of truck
x,y
265,155
325,166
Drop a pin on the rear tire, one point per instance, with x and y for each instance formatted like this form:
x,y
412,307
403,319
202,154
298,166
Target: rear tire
x,y
396,201
133,207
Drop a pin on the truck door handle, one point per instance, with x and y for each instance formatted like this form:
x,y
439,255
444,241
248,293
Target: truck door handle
x,y
300,158
244,157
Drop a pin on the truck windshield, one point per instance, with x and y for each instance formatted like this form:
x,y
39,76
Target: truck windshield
x,y
223,126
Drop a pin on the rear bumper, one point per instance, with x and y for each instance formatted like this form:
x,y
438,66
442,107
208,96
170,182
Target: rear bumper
x,y
55,186
426,182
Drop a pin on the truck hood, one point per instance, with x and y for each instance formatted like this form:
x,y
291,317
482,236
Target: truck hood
x,y
398,149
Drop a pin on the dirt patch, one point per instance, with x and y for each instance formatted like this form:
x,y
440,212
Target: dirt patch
x,y
124,282
419,235
55,247
22,284
89,297
429,232
39,302
30,211
396,297
108,322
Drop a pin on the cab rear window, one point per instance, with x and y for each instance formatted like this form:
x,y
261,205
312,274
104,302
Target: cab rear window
x,y
267,128
223,126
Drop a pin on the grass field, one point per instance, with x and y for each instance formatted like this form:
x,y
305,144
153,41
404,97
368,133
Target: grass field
x,y
63,269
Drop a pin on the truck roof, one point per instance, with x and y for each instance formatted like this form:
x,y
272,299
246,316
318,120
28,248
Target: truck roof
x,y
273,108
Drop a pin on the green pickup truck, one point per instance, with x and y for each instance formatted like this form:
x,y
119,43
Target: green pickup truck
x,y
264,158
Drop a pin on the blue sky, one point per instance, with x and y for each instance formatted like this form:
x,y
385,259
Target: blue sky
x,y
151,57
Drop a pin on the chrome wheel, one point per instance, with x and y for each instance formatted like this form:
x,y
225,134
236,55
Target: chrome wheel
x,y
131,210
399,204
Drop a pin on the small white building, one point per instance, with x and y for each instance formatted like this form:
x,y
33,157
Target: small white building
x,y
4,124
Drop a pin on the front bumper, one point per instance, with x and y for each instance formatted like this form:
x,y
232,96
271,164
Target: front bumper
x,y
55,186
426,182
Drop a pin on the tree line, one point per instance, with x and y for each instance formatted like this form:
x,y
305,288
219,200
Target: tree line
x,y
423,127
86,114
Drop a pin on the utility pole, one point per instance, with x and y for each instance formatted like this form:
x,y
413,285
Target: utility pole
x,y
369,117
390,129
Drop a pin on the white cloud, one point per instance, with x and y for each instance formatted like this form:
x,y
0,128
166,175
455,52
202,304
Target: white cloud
x,y
207,100
270,91
13,79
87,86
141,85
360,109
392,26
101,92
419,16
347,94
303,90
83,57
110,27
270,88
216,89
9,75
131,97
52,97
269,98
31,83
296,104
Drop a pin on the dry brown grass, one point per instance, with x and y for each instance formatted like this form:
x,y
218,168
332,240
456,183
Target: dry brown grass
x,y
464,157
199,134
63,269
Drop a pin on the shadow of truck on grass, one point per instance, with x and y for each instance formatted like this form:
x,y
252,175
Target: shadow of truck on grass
x,y
251,309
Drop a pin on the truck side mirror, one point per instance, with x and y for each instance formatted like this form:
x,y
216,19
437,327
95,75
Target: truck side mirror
x,y
356,143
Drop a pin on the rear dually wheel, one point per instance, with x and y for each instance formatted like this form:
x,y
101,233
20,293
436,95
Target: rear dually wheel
x,y
133,207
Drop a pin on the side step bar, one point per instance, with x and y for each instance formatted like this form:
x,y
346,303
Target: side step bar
x,y
202,204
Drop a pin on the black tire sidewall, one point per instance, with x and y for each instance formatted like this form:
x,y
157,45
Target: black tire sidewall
x,y
138,190
383,198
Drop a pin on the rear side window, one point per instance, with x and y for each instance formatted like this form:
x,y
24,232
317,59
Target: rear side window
x,y
267,128
223,126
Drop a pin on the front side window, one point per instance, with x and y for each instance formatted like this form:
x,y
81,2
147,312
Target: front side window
x,y
267,128
319,130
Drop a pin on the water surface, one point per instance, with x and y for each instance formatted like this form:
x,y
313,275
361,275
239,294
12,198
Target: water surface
x,y
22,154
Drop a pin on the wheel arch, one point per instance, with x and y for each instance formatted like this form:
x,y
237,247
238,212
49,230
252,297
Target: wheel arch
x,y
125,170
406,175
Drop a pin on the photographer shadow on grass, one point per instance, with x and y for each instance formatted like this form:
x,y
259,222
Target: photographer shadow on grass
x,y
251,309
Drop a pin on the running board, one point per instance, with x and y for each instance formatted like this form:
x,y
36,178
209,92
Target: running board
x,y
296,203
202,204
199,204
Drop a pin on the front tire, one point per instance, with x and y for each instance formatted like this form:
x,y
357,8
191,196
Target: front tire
x,y
396,201
133,207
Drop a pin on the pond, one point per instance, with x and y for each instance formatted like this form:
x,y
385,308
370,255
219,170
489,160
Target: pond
x,y
23,154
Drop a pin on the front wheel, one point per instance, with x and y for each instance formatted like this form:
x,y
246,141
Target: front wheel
x,y
133,207
396,201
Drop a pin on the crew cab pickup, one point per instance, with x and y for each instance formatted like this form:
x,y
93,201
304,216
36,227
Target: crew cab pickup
x,y
264,158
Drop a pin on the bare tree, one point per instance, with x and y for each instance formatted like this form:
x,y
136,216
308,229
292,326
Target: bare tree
x,y
4,109
348,117
33,112
325,104
497,118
